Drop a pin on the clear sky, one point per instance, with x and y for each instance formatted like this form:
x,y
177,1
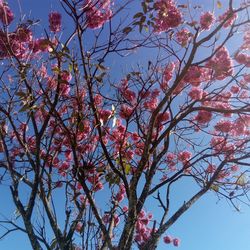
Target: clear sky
x,y
209,225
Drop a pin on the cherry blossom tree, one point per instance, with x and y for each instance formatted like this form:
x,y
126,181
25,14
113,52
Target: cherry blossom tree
x,y
86,144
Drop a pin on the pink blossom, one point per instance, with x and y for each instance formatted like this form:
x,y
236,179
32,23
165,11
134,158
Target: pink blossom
x,y
39,45
234,168
247,78
97,12
223,126
176,242
196,93
64,89
230,16
116,220
24,35
235,89
168,15
98,186
78,227
125,209
211,169
129,95
206,21
194,76
184,156
135,136
66,76
221,64
98,99
151,104
6,15
183,36
55,22
167,239
105,115
203,116
167,76
163,117
240,127
125,111
218,143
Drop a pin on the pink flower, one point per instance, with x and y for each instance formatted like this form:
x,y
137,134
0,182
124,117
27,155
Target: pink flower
x,y
125,111
98,99
206,21
184,156
167,76
24,35
176,242
129,95
125,209
105,115
167,239
163,117
116,220
235,89
221,64
194,76
151,104
211,169
231,18
6,15
247,77
66,76
203,116
55,21
196,93
223,126
183,36
235,168
39,45
78,227
242,58
97,12
168,15
135,136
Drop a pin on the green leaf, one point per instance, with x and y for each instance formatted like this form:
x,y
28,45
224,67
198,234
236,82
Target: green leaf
x,y
144,7
219,4
100,77
101,67
127,168
53,244
184,6
24,108
242,180
139,14
21,94
143,19
70,67
214,187
127,30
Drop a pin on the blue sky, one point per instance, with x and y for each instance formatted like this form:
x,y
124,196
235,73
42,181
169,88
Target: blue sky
x,y
210,224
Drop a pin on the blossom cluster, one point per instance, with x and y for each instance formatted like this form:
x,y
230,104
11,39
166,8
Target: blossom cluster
x,y
168,240
221,64
143,231
206,20
98,12
230,16
6,15
168,15
55,21
183,37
